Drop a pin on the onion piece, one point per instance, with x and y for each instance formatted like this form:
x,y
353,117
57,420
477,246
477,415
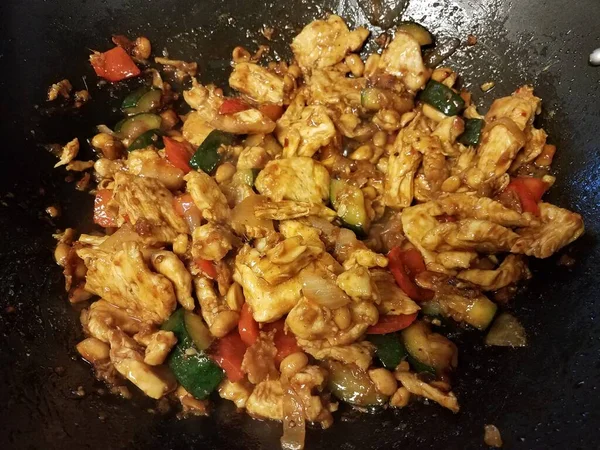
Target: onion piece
x,y
124,234
294,427
243,215
323,291
506,332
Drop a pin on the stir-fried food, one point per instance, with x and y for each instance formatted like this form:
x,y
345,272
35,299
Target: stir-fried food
x,y
299,242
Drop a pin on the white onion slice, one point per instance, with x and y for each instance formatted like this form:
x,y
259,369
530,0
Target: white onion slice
x,y
323,291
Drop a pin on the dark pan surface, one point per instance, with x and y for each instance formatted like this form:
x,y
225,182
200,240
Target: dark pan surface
x,y
541,397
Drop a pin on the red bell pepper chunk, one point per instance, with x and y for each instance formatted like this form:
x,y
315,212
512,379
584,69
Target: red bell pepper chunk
x,y
529,190
390,324
228,352
114,65
178,154
207,267
247,326
102,215
405,265
233,105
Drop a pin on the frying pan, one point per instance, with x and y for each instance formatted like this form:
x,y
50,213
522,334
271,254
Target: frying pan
x,y
540,397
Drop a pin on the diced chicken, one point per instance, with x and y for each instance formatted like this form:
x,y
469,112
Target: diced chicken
x,y
259,360
435,169
207,196
258,83
266,401
417,387
364,257
253,158
215,311
293,228
456,259
207,102
102,317
324,43
238,392
148,206
417,221
403,163
126,356
310,321
513,268
68,153
289,209
536,139
305,384
470,234
302,130
559,227
159,346
498,148
169,265
211,241
360,353
448,130
392,299
123,279
301,179
520,107
402,58
93,350
148,163
356,282
195,129
335,90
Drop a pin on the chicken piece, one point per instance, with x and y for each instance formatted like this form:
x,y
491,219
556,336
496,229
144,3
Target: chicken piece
x,y
148,163
106,168
448,130
259,360
195,129
208,197
310,321
364,257
148,206
392,299
68,153
206,101
469,234
215,311
285,260
94,351
288,209
266,401
417,221
238,392
559,227
435,170
159,346
536,139
483,208
456,259
498,148
293,228
356,282
402,166
253,158
402,58
211,242
169,265
102,317
335,90
360,353
123,279
324,43
305,384
417,387
126,356
303,130
513,268
62,88
258,83
520,107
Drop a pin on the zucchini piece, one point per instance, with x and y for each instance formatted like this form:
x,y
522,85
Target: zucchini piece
x,y
349,203
134,126
477,312
150,137
418,32
245,176
389,348
142,100
353,385
373,99
506,332
430,352
198,331
442,98
472,133
207,157
198,374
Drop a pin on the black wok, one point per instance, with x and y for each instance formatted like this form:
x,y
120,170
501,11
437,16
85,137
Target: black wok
x,y
541,397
